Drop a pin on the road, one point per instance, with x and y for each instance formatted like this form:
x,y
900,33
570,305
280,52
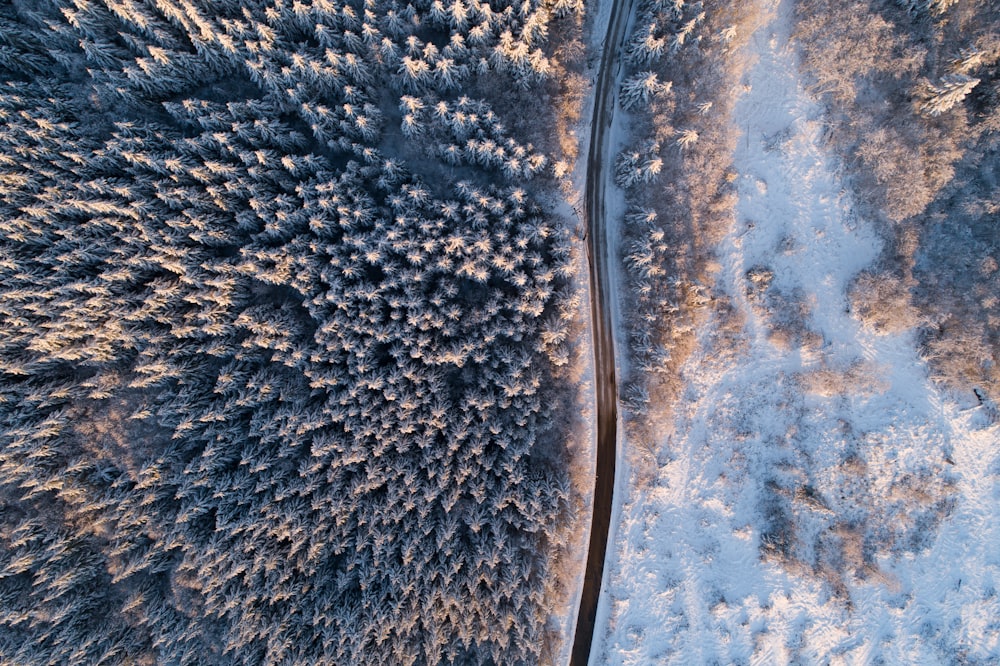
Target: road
x,y
599,157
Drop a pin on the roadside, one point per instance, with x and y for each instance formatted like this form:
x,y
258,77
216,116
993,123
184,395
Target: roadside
x,y
600,248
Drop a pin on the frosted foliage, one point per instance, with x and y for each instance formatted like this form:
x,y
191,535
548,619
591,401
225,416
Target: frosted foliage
x,y
268,396
937,99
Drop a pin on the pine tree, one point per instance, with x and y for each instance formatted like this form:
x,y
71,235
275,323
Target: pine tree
x,y
641,87
646,47
937,99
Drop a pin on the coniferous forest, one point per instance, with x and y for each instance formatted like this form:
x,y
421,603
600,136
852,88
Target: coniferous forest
x,y
283,307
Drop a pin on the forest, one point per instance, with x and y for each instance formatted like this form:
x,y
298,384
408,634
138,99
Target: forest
x,y
293,347
911,99
682,68
914,95
285,316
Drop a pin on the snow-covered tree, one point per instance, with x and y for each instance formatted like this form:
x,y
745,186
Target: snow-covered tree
x,y
937,99
639,88
289,378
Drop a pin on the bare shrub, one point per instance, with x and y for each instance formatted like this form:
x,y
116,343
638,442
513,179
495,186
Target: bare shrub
x,y
905,165
881,301
860,378
959,356
843,44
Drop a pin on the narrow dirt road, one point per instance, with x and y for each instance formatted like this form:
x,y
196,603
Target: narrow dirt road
x,y
598,158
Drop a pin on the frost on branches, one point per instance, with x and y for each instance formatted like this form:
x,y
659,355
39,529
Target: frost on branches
x,y
269,396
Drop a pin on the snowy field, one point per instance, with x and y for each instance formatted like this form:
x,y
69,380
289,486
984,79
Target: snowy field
x,y
818,500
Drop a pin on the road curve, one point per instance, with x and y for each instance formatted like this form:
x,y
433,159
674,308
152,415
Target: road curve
x,y
598,157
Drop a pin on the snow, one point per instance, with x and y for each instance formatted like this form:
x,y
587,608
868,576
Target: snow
x,y
562,618
818,499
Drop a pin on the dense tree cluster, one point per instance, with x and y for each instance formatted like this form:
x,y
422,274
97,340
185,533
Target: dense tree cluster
x,y
657,296
913,89
666,38
269,397
677,85
661,30
663,27
469,132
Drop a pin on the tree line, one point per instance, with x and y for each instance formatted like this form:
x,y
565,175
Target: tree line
x,y
270,396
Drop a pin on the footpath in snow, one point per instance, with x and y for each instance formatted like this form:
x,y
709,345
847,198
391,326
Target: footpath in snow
x,y
818,501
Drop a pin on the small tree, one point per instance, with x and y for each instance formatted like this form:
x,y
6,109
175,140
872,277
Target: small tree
x,y
639,88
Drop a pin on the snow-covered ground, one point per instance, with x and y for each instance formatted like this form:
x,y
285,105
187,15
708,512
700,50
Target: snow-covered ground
x,y
818,500
562,619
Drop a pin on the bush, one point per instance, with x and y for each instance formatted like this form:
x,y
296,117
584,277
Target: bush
x,y
882,301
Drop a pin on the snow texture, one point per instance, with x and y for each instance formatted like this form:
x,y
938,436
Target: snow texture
x,y
818,499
